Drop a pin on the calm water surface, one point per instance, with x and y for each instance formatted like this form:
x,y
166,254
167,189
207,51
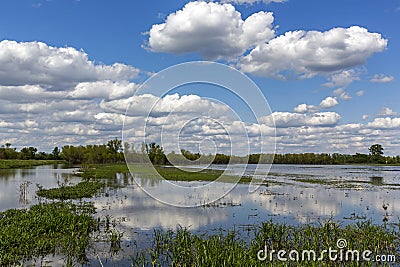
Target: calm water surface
x,y
363,191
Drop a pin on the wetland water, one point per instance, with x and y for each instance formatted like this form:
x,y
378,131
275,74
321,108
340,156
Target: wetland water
x,y
295,194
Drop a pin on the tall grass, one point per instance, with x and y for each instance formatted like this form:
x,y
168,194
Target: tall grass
x,y
55,228
183,248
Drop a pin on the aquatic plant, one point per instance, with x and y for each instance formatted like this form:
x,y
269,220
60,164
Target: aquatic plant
x,y
84,189
52,228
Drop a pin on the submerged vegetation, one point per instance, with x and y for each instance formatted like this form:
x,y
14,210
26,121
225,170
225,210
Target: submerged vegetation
x,y
84,189
55,228
183,248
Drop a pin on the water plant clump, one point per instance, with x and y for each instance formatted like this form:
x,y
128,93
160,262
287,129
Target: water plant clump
x,y
85,189
50,228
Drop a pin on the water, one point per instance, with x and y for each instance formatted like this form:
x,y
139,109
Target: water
x,y
362,192
47,176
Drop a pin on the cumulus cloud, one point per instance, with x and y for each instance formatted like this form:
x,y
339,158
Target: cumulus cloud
x,y
36,63
240,2
387,112
103,89
342,94
307,53
343,78
287,119
382,78
214,30
329,102
304,108
384,123
39,109
360,93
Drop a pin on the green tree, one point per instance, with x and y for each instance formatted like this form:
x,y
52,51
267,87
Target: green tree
x,y
28,152
114,146
376,153
73,155
156,154
56,153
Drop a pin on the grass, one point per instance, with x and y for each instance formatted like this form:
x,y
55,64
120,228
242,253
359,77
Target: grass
x,y
109,171
83,189
55,228
14,164
102,171
183,248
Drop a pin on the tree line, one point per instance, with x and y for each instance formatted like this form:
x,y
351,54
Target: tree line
x,y
113,152
106,153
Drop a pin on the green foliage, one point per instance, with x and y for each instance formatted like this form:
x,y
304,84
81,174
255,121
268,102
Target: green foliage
x,y
156,154
45,229
114,147
81,190
102,171
376,150
13,164
28,152
183,248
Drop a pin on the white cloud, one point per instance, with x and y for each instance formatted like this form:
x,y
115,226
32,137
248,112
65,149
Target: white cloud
x,y
214,30
329,102
360,93
103,89
387,112
343,78
307,53
287,119
365,117
36,63
342,94
304,108
382,78
240,2
37,110
384,123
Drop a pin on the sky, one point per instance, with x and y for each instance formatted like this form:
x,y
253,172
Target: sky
x,y
328,69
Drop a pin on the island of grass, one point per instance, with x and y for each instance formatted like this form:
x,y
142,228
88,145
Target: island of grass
x,y
85,189
44,229
109,171
19,163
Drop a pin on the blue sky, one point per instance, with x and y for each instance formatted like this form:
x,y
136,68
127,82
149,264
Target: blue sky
x,y
359,79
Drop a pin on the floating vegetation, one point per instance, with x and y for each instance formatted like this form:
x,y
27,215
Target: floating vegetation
x,y
54,228
347,184
84,189
222,204
183,248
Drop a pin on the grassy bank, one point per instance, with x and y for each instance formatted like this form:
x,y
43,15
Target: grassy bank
x,y
56,228
15,163
182,248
